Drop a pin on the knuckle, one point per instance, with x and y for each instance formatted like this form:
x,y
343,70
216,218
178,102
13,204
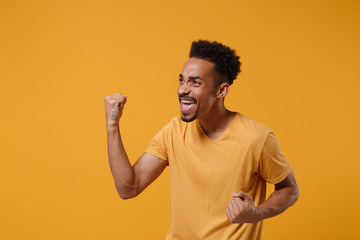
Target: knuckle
x,y
237,212
237,201
241,210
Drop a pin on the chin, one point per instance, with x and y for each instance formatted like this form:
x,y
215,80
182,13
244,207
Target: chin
x,y
188,118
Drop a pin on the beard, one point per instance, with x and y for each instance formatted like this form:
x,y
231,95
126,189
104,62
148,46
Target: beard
x,y
189,118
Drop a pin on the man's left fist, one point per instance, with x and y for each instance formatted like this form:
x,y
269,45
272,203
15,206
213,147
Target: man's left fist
x,y
242,209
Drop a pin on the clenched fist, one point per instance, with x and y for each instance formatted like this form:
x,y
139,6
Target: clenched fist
x,y
241,209
114,106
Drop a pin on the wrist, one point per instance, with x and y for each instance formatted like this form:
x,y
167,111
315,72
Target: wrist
x,y
260,213
112,125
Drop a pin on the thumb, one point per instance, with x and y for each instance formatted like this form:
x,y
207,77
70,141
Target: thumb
x,y
122,103
242,195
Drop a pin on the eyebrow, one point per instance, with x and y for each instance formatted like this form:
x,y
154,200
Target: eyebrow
x,y
190,77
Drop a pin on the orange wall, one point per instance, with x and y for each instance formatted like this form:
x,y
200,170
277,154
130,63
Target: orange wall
x,y
58,59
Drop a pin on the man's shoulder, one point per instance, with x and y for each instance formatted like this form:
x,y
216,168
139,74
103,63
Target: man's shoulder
x,y
173,124
176,122
246,125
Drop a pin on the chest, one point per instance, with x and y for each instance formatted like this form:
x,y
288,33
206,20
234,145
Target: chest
x,y
230,161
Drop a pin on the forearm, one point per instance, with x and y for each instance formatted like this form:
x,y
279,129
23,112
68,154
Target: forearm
x,y
278,202
120,166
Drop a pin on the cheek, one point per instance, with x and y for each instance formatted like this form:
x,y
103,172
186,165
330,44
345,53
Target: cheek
x,y
205,101
205,97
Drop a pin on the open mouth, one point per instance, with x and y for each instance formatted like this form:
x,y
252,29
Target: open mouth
x,y
187,104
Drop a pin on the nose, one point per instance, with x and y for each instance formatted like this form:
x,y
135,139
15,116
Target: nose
x,y
183,88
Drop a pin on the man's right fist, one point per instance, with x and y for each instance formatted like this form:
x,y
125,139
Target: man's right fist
x,y
114,106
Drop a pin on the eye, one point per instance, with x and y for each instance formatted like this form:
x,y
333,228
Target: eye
x,y
181,80
195,82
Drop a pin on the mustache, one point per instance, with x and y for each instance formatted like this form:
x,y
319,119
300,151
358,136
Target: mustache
x,y
186,97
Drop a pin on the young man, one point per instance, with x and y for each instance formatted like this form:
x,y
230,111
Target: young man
x,y
219,160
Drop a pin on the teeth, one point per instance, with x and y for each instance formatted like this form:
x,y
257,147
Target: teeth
x,y
187,101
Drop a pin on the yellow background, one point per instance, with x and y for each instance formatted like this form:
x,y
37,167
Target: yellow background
x,y
58,59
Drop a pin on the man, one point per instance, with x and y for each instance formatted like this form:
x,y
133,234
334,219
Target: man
x,y
219,160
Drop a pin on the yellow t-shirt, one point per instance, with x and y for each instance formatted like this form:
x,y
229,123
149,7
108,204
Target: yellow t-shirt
x,y
204,173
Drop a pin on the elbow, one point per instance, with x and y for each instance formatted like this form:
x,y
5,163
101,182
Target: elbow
x,y
295,193
127,190
127,194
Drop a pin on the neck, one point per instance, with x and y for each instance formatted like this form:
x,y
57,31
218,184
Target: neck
x,y
216,121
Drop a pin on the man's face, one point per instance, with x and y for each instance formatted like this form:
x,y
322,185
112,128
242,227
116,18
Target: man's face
x,y
196,91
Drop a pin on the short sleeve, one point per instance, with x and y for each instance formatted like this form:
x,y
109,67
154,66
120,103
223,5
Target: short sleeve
x,y
274,167
158,144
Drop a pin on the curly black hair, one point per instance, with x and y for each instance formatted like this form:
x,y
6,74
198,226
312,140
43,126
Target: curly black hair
x,y
226,61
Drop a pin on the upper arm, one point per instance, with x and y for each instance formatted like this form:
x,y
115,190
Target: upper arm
x,y
289,182
288,189
146,169
273,165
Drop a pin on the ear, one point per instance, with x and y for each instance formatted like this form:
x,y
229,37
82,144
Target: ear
x,y
223,90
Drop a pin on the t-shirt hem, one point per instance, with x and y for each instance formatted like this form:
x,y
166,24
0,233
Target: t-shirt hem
x,y
281,177
157,154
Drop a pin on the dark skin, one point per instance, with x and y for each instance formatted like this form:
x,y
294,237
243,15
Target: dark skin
x,y
196,83
213,117
242,209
